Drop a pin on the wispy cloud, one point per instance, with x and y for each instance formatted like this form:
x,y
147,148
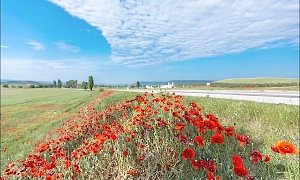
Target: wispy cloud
x,y
67,47
36,45
4,46
47,69
150,32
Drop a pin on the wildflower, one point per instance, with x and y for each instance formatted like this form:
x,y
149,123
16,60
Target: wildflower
x,y
284,147
229,131
195,164
179,126
237,160
76,168
125,153
256,156
212,167
132,172
199,140
210,124
267,159
217,139
240,171
197,122
43,148
188,153
243,139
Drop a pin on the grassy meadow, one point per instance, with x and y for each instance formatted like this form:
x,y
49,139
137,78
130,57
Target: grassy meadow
x,y
28,114
264,123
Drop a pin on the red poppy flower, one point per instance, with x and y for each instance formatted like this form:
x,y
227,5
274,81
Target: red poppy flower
x,y
195,164
176,114
188,153
199,140
217,139
76,168
197,122
125,153
267,159
113,137
43,148
212,167
210,124
256,156
179,126
284,147
243,139
132,172
193,104
229,131
183,138
240,171
237,160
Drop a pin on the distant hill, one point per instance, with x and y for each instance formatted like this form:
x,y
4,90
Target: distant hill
x,y
258,80
23,82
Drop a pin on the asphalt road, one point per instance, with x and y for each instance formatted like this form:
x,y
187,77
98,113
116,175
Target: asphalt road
x,y
275,97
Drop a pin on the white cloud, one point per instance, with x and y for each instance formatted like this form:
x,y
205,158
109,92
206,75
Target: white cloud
x,y
47,69
4,46
149,32
36,45
67,47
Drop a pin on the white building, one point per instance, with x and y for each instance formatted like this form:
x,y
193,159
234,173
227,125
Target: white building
x,y
149,87
169,86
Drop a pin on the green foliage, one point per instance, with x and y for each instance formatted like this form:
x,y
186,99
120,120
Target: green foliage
x,y
84,85
32,86
5,85
138,84
54,84
90,82
101,90
59,84
71,84
20,86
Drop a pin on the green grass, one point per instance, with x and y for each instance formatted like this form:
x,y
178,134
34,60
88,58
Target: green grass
x,y
258,80
115,98
264,123
27,114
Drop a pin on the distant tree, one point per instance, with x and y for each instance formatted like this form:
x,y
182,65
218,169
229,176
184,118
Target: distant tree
x,y
59,84
75,84
5,85
84,85
20,86
13,86
68,84
54,83
32,86
90,82
138,84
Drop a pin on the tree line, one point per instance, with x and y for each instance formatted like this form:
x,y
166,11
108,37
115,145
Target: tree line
x,y
74,84
89,84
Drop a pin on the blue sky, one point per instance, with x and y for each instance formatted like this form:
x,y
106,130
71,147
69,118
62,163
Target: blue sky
x,y
126,41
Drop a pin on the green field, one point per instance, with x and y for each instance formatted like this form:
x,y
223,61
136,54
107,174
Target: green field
x,y
27,114
258,80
